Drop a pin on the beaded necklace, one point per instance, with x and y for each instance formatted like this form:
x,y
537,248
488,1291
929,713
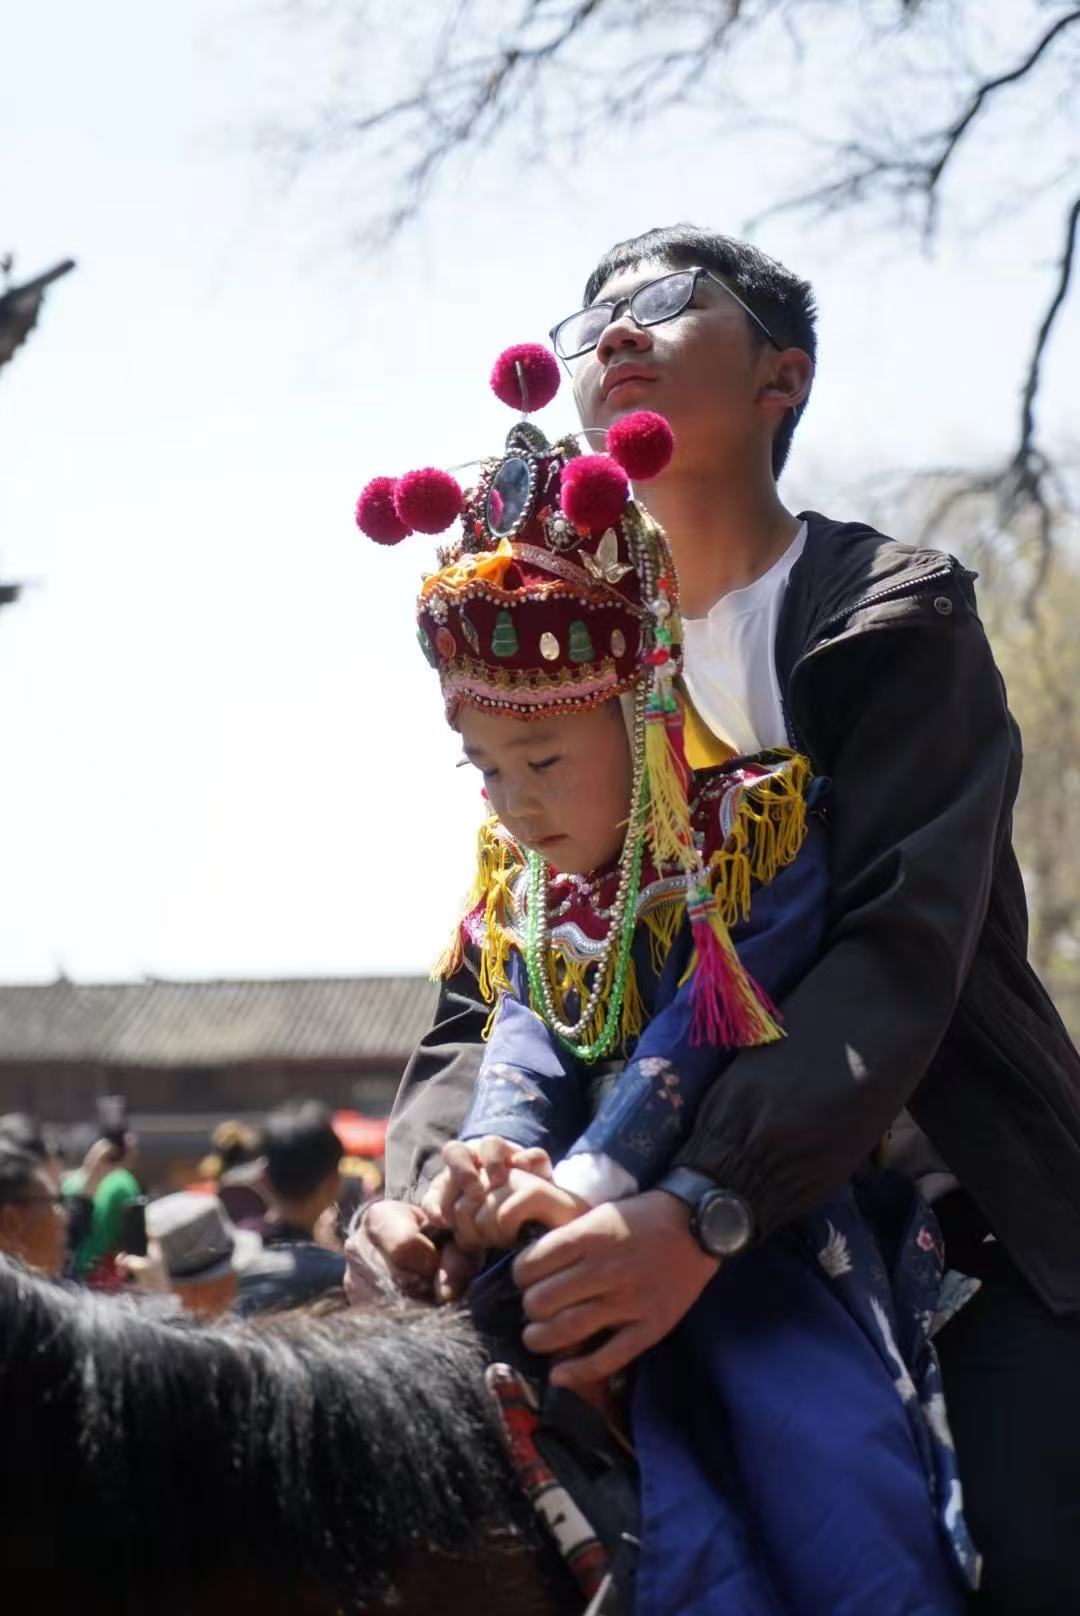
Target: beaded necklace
x,y
613,962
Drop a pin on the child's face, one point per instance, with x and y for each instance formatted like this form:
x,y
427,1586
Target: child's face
x,y
561,786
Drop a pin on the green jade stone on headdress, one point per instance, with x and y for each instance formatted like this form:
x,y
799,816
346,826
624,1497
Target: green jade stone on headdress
x,y
579,645
504,641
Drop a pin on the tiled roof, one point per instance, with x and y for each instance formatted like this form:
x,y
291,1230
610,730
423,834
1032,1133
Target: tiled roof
x,y
215,1023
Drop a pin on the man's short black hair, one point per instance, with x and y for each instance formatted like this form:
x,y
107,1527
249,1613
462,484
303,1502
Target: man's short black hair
x,y
301,1148
780,299
17,1169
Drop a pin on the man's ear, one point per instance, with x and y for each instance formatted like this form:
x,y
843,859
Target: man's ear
x,y
790,379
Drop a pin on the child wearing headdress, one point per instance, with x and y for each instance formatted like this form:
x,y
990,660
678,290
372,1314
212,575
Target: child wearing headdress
x,y
641,903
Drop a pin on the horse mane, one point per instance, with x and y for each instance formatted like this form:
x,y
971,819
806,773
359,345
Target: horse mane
x,y
150,1455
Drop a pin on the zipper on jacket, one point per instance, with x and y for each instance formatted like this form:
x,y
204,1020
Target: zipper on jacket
x,y
913,586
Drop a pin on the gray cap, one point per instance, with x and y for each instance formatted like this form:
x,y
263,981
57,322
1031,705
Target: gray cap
x,y
198,1239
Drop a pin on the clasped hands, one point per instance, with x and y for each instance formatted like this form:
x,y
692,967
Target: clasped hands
x,y
489,1190
599,1288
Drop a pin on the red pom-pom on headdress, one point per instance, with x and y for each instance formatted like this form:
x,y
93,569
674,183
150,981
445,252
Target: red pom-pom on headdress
x,y
428,500
594,492
375,513
526,377
642,443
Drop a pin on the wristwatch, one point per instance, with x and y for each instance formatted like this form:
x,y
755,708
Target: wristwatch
x,y
721,1222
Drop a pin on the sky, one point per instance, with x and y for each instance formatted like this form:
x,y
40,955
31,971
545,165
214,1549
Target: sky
x,y
224,755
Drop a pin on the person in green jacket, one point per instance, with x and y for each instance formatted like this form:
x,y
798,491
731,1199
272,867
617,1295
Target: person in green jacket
x,y
94,1255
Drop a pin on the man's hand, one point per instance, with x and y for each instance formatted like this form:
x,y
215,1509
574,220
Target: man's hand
x,y
629,1267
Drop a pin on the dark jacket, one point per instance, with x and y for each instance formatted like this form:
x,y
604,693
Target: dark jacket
x,y
923,996
290,1271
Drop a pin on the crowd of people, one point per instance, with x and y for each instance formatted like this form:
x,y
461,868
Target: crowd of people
x,y
260,1228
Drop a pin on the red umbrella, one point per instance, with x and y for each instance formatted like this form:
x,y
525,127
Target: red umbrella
x,y
360,1135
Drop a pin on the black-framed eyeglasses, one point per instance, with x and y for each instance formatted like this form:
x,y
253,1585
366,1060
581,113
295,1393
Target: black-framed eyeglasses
x,y
652,304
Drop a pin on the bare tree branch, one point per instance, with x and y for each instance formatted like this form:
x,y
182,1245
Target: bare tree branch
x,y
989,88
1031,386
485,74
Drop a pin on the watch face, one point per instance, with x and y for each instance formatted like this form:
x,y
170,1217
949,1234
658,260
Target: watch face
x,y
724,1223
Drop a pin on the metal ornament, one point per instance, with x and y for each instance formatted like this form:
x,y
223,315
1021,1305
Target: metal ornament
x,y
425,645
468,629
605,565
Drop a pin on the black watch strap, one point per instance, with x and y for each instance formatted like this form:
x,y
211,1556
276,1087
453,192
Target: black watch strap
x,y
721,1222
687,1185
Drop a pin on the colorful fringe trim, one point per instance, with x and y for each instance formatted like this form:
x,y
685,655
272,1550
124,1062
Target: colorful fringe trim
x,y
730,1010
669,831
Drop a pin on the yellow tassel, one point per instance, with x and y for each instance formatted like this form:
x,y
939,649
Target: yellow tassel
x,y
632,1019
669,830
663,924
769,830
497,865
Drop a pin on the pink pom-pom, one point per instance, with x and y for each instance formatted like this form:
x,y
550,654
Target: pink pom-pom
x,y
428,500
642,443
532,385
594,492
375,513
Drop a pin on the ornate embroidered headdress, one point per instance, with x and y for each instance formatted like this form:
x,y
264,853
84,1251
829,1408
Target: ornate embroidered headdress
x,y
559,594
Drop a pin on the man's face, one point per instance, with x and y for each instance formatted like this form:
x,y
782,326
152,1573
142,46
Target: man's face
x,y
34,1227
561,786
702,370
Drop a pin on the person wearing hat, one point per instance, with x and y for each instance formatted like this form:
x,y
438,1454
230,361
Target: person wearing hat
x,y
631,922
195,1252
923,1025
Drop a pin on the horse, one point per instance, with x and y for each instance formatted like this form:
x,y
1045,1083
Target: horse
x,y
315,1465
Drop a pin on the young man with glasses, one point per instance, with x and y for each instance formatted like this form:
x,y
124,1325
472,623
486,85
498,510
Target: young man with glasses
x,y
923,1025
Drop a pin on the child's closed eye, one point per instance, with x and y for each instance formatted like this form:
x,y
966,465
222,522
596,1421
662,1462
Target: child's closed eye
x,y
544,763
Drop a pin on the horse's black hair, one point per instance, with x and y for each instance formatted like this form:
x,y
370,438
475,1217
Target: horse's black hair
x,y
145,1461
301,1148
780,299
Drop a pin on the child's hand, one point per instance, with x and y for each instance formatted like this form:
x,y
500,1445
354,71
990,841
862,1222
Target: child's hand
x,y
526,1196
472,1169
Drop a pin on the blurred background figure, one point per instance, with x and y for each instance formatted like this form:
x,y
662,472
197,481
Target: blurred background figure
x,y
302,1154
27,1132
194,1253
236,1172
33,1225
98,1191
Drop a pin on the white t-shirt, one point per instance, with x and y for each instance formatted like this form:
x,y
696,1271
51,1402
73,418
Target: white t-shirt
x,y
730,672
730,662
